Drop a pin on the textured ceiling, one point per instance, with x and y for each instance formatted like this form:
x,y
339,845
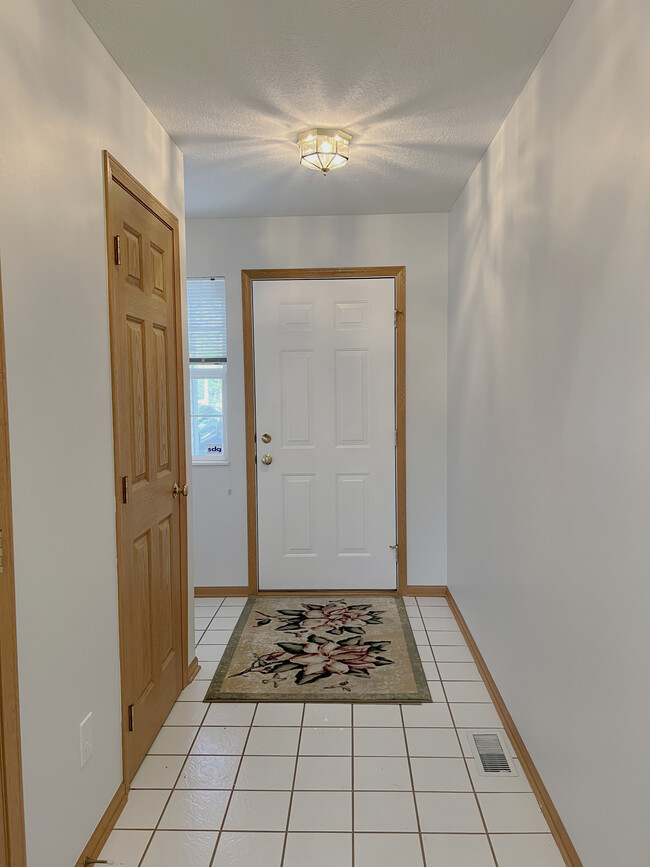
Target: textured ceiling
x,y
422,85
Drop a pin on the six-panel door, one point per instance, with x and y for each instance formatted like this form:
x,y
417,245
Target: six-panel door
x,y
146,423
325,394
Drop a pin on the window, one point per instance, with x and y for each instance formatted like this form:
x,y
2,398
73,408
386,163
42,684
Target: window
x,y
206,301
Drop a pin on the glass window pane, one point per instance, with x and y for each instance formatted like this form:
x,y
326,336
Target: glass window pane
x,y
206,396
207,436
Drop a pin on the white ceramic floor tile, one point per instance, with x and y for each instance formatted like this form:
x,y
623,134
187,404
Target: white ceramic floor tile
x,y
436,690
435,743
266,772
173,741
421,638
321,811
245,849
209,652
278,714
458,671
230,714
318,850
220,741
387,774
476,716
181,849
125,848
452,653
324,773
434,715
536,850
187,713
387,850
430,671
201,623
426,654
143,808
449,813
257,811
194,692
338,715
512,813
158,772
206,671
272,741
218,637
432,602
460,850
207,608
446,638
223,621
379,742
377,715
442,620
384,811
195,811
517,783
208,772
470,691
324,741
202,601
233,602
440,775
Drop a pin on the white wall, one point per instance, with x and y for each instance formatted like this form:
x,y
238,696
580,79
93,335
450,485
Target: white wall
x,y
224,247
62,100
549,421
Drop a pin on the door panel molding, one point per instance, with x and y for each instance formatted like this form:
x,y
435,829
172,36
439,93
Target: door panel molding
x,y
12,818
398,273
132,257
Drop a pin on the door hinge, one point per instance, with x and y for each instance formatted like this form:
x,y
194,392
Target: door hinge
x,y
396,314
118,251
395,548
125,489
131,716
2,554
395,439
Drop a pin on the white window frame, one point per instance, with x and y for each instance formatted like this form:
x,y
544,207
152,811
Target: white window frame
x,y
206,370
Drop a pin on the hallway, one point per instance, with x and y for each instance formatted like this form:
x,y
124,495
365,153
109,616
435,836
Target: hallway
x,y
281,785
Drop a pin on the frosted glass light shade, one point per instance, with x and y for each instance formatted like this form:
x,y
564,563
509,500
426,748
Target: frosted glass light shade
x,y
324,149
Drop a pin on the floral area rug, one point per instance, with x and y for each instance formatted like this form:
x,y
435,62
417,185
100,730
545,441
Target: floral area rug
x,y
329,648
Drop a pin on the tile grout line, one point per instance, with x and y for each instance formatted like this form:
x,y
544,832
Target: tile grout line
x,y
462,752
171,791
293,786
415,800
232,788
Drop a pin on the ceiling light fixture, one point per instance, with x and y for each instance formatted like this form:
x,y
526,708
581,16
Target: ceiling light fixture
x,y
324,149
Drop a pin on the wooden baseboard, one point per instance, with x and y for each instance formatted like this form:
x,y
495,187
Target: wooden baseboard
x,y
202,592
411,590
106,824
425,590
192,670
559,832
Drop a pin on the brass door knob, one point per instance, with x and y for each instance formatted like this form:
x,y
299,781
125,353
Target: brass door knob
x,y
177,489
266,438
267,459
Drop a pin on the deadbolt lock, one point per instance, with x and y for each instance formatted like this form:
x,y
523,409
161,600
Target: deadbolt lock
x,y
266,438
267,459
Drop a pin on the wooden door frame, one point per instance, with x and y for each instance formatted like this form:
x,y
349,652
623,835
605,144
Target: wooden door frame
x,y
397,273
11,772
113,171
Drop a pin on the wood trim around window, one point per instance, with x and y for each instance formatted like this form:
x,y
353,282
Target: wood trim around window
x,y
398,273
12,816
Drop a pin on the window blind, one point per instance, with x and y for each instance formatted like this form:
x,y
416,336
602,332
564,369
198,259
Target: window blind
x,y
206,302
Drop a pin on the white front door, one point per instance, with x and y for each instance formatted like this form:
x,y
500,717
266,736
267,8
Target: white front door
x,y
325,395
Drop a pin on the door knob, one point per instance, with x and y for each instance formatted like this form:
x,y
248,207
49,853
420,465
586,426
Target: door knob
x,y
177,489
266,438
267,459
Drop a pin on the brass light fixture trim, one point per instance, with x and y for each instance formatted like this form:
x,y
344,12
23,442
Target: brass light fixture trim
x,y
324,149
